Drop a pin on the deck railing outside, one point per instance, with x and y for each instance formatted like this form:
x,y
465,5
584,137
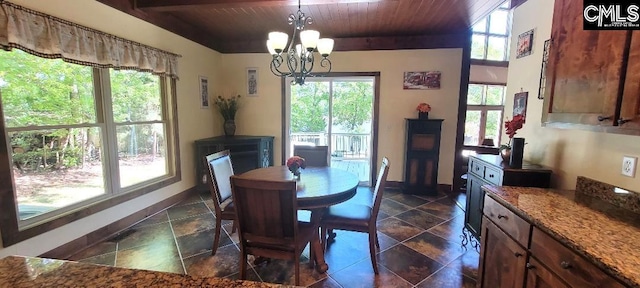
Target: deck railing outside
x,y
343,145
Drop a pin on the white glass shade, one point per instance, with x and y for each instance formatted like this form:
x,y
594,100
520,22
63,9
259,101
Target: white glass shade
x,y
309,39
278,40
325,46
270,48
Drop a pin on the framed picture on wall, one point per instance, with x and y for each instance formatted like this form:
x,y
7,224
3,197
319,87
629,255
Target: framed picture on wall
x,y
520,104
543,69
421,80
204,92
525,44
252,81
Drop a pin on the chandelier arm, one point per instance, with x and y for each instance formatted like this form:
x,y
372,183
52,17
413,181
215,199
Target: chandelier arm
x,y
325,62
275,64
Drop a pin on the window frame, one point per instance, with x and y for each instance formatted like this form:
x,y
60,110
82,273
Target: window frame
x,y
487,34
486,108
11,228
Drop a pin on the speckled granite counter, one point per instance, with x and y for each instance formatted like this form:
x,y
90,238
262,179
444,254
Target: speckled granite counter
x,y
608,237
16,272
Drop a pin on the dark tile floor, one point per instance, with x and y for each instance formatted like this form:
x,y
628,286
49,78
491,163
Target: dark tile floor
x,y
419,247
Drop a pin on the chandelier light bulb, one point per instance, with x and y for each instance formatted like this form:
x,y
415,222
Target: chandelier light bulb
x,y
278,40
325,46
299,50
309,39
270,47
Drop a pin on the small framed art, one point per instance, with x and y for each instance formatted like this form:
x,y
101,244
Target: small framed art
x,y
252,81
525,44
204,92
421,80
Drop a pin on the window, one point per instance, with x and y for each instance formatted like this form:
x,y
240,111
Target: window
x,y
80,135
485,105
491,36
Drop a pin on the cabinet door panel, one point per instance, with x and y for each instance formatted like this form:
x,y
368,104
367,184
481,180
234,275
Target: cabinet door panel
x,y
505,259
538,276
475,198
630,108
584,68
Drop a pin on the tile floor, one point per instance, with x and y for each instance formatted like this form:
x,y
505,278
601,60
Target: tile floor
x,y
419,241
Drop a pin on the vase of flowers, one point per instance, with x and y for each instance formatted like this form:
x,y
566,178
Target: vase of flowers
x,y
294,164
423,111
228,108
511,126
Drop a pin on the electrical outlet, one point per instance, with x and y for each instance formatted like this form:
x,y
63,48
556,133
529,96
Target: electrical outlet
x,y
629,166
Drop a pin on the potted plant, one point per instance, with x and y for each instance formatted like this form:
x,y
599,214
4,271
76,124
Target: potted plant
x,y
423,110
511,126
228,108
294,164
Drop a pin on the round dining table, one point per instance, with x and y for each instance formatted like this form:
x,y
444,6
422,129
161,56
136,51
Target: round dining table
x,y
318,188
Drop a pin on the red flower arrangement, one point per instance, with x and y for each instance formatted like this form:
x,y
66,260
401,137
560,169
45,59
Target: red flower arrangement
x,y
295,163
423,108
511,126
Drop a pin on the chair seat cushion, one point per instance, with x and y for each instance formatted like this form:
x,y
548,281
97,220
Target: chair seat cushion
x,y
353,214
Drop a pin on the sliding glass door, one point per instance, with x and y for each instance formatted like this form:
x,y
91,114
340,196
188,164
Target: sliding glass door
x,y
336,112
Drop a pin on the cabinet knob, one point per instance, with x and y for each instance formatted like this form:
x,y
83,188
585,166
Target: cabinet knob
x,y
602,118
490,175
565,265
622,121
518,254
502,216
530,266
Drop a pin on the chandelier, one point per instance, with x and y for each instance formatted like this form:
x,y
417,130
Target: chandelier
x,y
299,57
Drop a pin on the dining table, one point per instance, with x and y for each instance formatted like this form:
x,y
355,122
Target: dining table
x,y
317,189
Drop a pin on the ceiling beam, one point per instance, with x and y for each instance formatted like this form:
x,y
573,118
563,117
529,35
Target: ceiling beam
x,y
361,44
176,5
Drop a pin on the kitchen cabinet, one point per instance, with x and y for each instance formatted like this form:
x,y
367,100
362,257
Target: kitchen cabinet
x,y
488,169
247,153
502,259
421,156
505,260
592,76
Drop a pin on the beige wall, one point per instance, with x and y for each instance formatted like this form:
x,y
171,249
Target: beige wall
x,y
194,123
570,153
262,114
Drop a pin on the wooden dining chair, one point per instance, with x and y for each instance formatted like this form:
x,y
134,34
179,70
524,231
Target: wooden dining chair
x,y
314,156
220,169
268,223
358,215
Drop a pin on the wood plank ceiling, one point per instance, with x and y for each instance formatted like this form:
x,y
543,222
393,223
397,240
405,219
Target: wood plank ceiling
x,y
241,26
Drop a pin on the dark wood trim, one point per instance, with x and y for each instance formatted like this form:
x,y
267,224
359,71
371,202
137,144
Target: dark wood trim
x,y
516,3
481,62
106,232
285,132
465,68
358,44
11,234
487,83
374,131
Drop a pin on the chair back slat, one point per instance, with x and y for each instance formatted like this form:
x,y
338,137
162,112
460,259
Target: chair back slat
x,y
314,156
267,212
220,169
378,190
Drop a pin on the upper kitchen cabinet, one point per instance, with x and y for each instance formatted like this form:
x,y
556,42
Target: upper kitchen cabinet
x,y
630,109
592,76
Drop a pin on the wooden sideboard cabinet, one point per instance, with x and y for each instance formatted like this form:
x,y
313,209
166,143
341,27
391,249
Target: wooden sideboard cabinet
x,y
421,156
247,153
505,260
487,169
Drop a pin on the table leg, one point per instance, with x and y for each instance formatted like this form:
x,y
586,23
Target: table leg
x,y
316,251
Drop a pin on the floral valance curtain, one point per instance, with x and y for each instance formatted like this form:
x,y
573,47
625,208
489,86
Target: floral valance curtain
x,y
50,37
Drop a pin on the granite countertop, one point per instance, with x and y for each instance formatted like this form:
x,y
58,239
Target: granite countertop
x,y
608,239
17,271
